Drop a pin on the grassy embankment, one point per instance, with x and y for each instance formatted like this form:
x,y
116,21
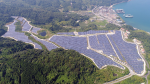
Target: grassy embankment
x,y
32,39
133,80
65,66
18,27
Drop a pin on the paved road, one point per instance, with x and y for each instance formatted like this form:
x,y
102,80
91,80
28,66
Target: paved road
x,y
145,76
122,78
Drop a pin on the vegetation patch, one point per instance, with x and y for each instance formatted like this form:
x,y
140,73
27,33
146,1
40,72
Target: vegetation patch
x,y
43,46
48,34
18,27
133,80
56,66
9,46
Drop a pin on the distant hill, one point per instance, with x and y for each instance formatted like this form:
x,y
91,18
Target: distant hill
x,y
66,4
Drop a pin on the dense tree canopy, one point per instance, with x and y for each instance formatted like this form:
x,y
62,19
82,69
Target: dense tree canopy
x,y
57,66
128,27
55,5
9,46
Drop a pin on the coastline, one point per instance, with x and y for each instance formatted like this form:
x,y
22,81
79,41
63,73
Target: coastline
x,y
118,3
111,6
124,21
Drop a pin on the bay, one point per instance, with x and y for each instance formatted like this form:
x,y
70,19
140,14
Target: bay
x,y
140,9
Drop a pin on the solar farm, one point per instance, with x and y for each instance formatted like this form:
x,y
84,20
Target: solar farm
x,y
103,47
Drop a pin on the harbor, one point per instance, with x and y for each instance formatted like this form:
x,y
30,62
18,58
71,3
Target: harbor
x,y
139,11
109,14
120,11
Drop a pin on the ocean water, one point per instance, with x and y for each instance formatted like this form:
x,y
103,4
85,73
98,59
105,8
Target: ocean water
x,y
140,9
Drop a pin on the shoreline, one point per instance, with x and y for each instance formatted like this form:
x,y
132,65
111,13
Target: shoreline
x,y
118,3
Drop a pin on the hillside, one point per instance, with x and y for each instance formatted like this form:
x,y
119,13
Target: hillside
x,y
46,13
56,66
54,5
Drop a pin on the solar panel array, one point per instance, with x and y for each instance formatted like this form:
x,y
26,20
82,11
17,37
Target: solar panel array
x,y
20,18
92,32
80,44
23,22
101,42
111,30
26,27
128,51
37,45
66,33
34,30
14,16
83,33
19,36
48,45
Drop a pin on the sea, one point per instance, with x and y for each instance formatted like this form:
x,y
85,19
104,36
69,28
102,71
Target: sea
x,y
140,9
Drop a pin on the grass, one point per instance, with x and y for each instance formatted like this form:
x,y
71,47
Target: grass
x,y
57,45
43,46
18,27
129,40
99,23
148,77
27,34
133,80
96,22
32,39
48,34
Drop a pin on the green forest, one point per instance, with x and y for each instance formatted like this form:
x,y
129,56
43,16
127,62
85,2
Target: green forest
x,y
33,66
47,14
55,5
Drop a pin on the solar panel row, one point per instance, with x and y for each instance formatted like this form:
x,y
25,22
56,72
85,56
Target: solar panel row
x,y
92,32
66,33
83,33
101,42
26,27
34,30
20,18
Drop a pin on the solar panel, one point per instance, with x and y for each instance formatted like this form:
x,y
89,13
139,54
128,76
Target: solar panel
x,y
34,30
92,32
66,33
20,18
